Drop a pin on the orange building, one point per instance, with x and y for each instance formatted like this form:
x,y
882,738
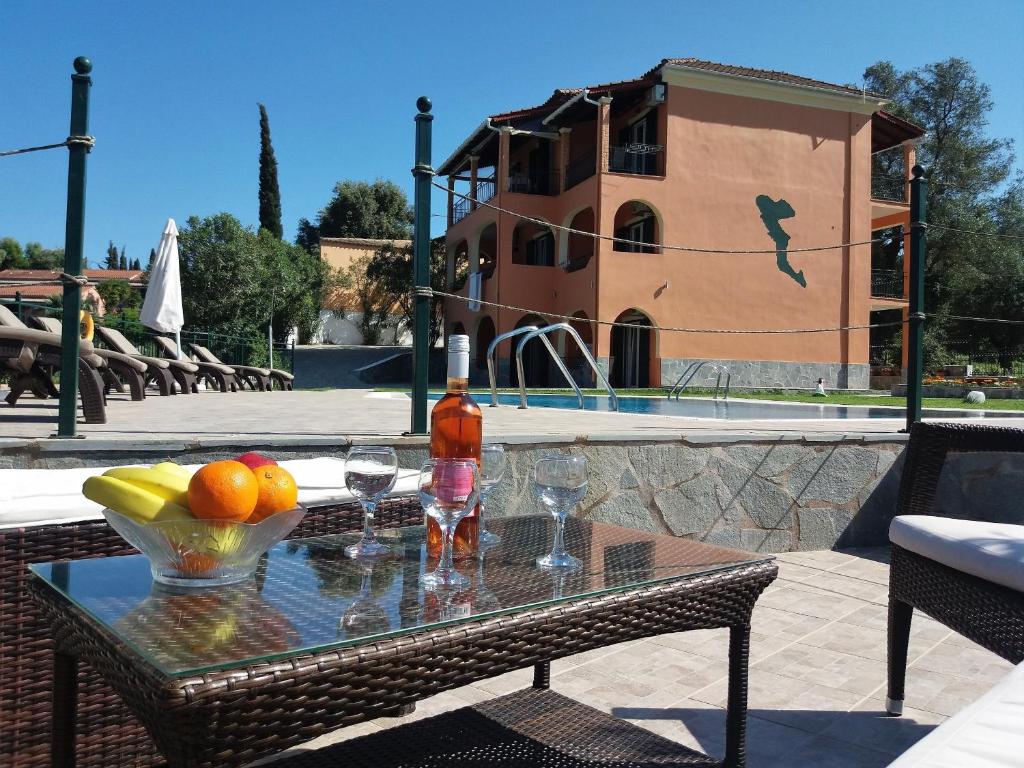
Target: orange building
x,y
695,154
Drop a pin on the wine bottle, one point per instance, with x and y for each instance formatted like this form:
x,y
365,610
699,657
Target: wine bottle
x,y
456,432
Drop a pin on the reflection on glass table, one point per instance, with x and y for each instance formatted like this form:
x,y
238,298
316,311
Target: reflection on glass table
x,y
306,587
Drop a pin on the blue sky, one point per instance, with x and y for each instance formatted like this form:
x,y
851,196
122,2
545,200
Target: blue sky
x,y
176,86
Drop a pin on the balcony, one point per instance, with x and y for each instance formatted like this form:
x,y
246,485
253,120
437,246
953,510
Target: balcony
x,y
534,183
891,188
580,169
485,189
639,159
460,210
886,284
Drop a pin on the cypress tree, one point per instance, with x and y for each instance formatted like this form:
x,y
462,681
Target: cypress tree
x,y
136,265
152,258
270,193
111,262
122,263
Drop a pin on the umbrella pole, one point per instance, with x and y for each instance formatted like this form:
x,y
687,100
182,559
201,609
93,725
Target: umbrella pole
x,y
177,343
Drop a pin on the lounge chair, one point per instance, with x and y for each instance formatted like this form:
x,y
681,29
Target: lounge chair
x,y
119,369
40,350
283,379
965,573
208,371
183,373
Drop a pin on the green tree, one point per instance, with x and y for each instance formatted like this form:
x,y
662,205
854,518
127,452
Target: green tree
x,y
378,211
44,258
270,193
113,258
232,279
122,263
152,258
965,169
11,254
118,296
389,272
136,265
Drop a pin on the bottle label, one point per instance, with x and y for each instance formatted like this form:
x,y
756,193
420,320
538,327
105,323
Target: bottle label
x,y
453,483
458,365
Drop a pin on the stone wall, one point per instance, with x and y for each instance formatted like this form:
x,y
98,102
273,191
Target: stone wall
x,y
762,492
773,373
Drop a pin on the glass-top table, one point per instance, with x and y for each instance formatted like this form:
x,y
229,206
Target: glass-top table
x,y
308,596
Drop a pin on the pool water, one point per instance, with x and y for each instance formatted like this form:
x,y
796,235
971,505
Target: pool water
x,y
706,408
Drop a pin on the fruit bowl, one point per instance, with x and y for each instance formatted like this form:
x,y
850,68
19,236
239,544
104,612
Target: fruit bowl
x,y
202,553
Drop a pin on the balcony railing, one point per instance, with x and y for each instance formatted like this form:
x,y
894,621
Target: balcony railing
x,y
887,283
641,159
889,188
534,183
460,210
485,189
580,169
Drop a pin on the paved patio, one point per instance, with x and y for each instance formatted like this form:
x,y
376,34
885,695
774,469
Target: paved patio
x,y
343,413
817,677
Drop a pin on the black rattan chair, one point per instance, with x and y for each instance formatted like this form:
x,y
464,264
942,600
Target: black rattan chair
x,y
981,610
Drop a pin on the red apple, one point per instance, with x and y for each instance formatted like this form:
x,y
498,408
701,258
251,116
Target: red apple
x,y
253,460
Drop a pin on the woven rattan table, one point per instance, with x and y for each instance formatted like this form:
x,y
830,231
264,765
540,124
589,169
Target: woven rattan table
x,y
223,676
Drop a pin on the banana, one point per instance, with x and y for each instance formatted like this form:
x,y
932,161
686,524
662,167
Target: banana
x,y
166,485
174,469
134,502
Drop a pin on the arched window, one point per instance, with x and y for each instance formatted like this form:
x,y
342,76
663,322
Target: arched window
x,y
581,247
638,223
533,245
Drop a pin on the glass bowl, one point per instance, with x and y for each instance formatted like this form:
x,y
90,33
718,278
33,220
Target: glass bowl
x,y
202,553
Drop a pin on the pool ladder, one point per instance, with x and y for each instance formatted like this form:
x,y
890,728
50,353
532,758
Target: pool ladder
x,y
529,332
693,369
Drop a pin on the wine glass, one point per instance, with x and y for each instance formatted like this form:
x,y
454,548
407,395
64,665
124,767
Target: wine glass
x,y
449,490
365,616
561,484
493,464
370,473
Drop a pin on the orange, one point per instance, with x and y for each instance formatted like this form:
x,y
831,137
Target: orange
x,y
278,492
223,490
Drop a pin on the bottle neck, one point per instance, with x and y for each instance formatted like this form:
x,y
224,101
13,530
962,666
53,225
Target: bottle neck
x,y
457,385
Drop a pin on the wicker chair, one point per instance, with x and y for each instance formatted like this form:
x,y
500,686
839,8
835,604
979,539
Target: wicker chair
x,y
107,734
989,613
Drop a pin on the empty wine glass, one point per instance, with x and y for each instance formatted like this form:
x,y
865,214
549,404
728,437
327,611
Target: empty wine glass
x,y
493,464
449,490
370,473
561,484
365,616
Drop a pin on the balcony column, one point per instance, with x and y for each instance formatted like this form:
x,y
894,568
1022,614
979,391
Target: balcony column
x,y
604,129
504,141
563,156
909,161
474,165
451,200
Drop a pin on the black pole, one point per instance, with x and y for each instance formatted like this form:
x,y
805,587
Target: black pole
x,y
915,327
421,267
74,234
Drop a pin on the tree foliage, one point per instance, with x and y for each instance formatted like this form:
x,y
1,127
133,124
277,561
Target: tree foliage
x,y
390,271
967,172
119,297
379,211
113,258
12,255
233,279
270,193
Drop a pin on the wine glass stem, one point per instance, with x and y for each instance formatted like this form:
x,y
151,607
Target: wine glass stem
x,y
482,518
368,509
558,547
447,533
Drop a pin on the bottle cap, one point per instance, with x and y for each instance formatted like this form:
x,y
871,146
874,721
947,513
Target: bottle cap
x,y
458,342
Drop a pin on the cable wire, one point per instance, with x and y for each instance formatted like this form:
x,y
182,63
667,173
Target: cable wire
x,y
70,141
974,232
641,244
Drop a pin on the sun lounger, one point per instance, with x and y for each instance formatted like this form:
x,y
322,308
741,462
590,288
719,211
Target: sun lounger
x,y
207,370
283,379
184,373
120,370
41,350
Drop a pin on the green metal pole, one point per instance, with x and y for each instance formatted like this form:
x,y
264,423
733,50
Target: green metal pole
x,y
421,267
74,233
915,327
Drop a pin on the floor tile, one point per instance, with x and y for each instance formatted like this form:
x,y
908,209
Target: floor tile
x,y
869,725
974,663
872,643
819,604
824,667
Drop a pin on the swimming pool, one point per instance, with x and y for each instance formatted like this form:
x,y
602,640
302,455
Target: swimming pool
x,y
706,408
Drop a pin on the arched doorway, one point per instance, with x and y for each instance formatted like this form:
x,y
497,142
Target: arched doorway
x,y
457,328
485,334
580,247
637,228
487,250
460,265
536,361
574,357
533,244
631,350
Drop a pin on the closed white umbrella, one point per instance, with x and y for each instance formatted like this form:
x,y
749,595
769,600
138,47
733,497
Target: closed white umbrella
x,y
162,310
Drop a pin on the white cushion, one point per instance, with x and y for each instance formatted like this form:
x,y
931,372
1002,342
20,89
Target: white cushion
x,y
990,551
51,496
985,734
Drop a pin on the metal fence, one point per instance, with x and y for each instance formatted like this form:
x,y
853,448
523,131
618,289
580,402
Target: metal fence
x,y
893,188
231,349
887,283
958,354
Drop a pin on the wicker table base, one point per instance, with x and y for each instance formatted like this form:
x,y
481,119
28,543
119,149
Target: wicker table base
x,y
540,729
